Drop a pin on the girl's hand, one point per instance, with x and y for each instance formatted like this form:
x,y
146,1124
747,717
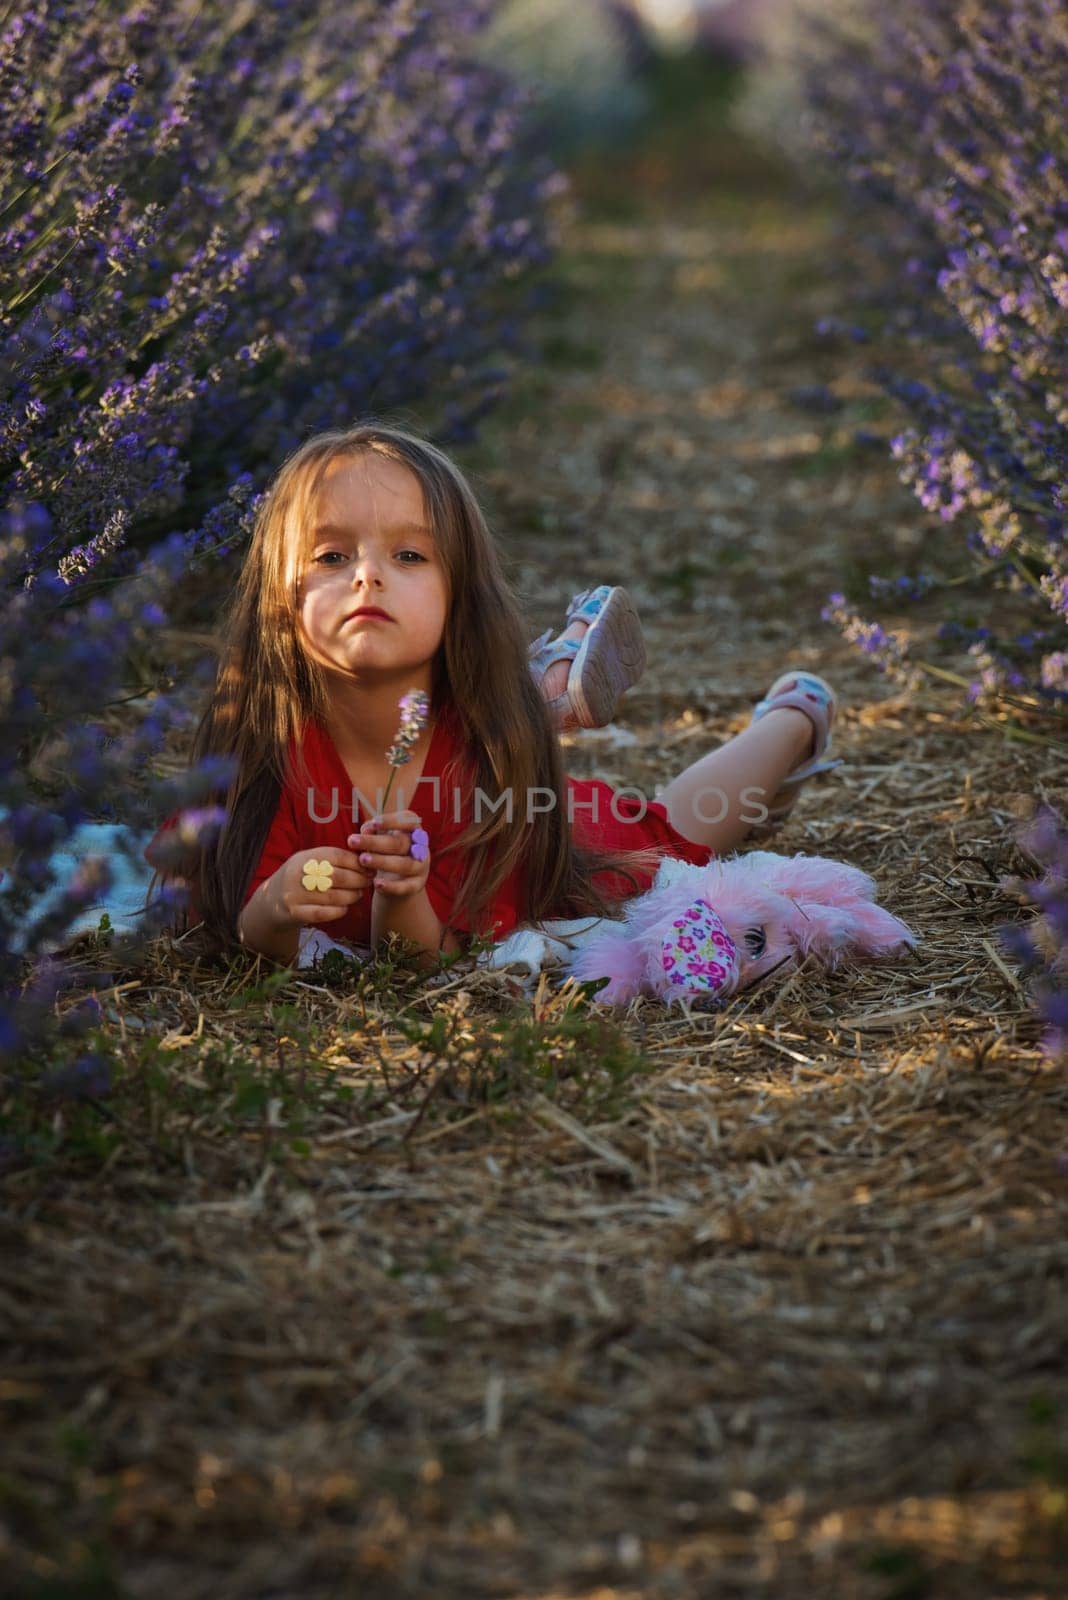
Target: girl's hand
x,y
347,882
383,847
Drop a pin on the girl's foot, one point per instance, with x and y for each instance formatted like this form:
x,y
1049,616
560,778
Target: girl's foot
x,y
584,673
800,691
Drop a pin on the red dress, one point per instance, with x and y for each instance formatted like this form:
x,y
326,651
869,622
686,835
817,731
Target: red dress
x,y
325,816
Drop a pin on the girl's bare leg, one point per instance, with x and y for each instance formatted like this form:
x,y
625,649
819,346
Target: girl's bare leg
x,y
717,800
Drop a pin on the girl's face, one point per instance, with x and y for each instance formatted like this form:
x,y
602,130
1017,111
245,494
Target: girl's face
x,y
371,550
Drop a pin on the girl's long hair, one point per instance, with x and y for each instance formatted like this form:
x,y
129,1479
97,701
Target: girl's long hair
x,y
268,688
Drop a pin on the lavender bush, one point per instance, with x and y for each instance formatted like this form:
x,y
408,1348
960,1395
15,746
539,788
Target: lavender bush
x,y
946,117
1042,948
222,226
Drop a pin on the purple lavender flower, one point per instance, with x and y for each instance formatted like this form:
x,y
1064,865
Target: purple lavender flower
x,y
1042,947
414,710
889,651
905,587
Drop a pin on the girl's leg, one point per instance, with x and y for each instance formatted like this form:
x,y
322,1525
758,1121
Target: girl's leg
x,y
717,800
555,680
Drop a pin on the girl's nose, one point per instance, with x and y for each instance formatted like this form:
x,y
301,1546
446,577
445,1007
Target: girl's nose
x,y
367,570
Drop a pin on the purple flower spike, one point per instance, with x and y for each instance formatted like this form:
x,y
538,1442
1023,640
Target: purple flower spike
x,y
414,710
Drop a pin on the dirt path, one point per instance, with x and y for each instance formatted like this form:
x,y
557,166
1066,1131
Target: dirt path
x,y
794,1322
872,1312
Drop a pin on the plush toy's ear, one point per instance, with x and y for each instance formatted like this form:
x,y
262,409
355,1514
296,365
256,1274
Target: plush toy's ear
x,y
834,932
832,883
612,953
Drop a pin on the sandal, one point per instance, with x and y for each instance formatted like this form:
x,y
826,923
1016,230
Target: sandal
x,y
606,662
803,691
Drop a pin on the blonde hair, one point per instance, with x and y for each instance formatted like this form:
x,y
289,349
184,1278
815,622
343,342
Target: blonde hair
x,y
268,687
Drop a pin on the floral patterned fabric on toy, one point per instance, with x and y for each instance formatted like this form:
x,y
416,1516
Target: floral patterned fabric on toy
x,y
698,955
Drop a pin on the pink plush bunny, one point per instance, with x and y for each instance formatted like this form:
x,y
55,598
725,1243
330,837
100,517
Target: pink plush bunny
x,y
703,933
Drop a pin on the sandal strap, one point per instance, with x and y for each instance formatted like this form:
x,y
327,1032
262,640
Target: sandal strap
x,y
814,765
586,606
803,691
545,654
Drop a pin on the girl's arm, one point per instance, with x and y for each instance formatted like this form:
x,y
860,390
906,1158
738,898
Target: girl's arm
x,y
414,918
400,904
263,927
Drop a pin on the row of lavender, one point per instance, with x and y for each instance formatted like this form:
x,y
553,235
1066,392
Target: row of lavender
x,y
947,119
223,224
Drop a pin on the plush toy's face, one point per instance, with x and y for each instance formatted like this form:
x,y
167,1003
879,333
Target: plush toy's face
x,y
705,959
698,955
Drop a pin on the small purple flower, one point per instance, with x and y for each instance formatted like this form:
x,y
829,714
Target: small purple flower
x,y
87,1078
420,844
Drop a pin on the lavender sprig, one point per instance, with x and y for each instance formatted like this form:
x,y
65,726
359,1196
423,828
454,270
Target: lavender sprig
x,y
414,710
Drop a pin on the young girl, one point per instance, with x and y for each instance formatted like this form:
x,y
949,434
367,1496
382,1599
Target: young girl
x,y
371,574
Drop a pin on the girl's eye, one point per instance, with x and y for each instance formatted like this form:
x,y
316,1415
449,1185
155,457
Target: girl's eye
x,y
330,558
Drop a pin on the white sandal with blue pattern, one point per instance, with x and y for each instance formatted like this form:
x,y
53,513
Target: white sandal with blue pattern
x,y
606,662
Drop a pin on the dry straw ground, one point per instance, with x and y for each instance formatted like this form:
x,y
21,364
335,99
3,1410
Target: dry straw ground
x,y
382,1288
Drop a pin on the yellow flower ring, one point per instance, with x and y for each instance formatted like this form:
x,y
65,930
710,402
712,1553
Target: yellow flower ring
x,y
318,875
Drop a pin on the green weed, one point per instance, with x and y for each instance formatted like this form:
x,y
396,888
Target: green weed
x,y
908,1575
292,1054
574,1056
1043,1456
